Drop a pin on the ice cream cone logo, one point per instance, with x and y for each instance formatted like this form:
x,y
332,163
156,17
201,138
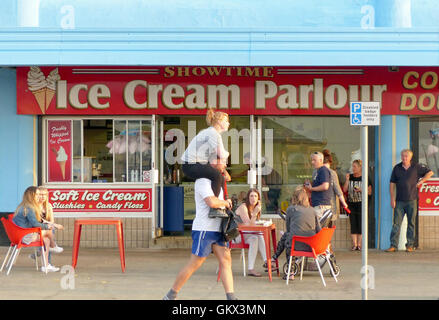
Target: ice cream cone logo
x,y
61,158
41,87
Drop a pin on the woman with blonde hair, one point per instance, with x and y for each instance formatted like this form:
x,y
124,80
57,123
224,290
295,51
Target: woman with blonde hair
x,y
28,215
301,220
47,217
207,145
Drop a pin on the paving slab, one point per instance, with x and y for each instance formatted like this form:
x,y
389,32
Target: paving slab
x,y
151,272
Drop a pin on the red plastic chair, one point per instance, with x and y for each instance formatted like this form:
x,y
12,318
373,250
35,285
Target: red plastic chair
x,y
319,244
15,235
233,245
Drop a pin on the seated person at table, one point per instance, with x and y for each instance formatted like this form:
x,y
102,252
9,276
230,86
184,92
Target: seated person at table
x,y
250,212
47,217
28,215
301,220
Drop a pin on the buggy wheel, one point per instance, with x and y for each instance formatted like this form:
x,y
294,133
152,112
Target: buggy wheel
x,y
294,268
336,269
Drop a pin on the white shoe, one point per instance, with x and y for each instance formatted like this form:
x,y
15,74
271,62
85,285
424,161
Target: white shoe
x,y
56,249
50,268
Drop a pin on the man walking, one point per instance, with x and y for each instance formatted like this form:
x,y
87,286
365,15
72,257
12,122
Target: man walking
x,y
320,194
405,179
207,237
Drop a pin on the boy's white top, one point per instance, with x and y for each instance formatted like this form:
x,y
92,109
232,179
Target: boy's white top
x,y
202,222
204,146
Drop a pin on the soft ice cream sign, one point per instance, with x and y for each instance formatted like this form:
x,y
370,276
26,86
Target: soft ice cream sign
x,y
100,200
59,151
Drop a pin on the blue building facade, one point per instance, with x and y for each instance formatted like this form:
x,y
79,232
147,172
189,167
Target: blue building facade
x,y
310,33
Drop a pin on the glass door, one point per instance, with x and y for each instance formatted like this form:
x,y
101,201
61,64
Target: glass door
x,y
174,134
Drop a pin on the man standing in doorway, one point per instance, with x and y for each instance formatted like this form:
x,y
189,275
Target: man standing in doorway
x,y
319,188
206,236
405,179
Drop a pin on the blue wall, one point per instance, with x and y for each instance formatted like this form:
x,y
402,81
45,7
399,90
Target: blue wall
x,y
141,14
219,32
16,149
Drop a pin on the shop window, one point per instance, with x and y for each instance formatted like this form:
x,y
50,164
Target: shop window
x,y
428,145
98,150
286,148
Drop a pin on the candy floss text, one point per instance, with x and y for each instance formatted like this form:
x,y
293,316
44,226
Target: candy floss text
x,y
100,200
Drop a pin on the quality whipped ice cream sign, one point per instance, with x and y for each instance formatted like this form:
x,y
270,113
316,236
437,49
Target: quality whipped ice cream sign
x,y
100,200
59,151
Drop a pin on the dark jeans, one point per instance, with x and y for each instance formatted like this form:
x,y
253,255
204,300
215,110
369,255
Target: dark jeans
x,y
411,209
197,170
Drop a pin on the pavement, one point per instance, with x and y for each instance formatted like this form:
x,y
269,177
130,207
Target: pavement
x,y
151,272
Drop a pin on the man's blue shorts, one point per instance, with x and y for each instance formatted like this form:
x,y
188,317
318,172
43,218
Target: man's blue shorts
x,y
203,241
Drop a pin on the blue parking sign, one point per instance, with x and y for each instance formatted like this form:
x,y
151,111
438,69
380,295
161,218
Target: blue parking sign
x,y
365,113
356,107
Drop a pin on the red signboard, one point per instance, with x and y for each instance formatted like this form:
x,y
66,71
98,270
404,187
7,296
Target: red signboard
x,y
429,197
188,90
59,142
100,200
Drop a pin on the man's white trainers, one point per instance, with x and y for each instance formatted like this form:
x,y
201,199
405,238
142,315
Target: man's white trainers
x,y
50,268
56,249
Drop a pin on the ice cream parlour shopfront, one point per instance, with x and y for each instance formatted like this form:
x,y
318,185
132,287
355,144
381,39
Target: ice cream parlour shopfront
x,y
111,137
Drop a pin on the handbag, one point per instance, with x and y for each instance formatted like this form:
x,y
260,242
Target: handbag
x,y
217,213
229,226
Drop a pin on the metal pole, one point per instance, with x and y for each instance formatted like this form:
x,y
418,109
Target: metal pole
x,y
364,209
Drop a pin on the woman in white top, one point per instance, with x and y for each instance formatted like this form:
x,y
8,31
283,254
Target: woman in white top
x,y
207,144
250,212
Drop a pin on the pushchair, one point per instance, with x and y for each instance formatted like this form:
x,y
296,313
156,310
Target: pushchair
x,y
324,221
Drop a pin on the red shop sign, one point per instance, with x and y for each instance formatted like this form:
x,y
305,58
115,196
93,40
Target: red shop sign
x,y
100,200
189,90
429,197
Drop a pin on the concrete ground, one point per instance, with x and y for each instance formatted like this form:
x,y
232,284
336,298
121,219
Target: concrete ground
x,y
151,272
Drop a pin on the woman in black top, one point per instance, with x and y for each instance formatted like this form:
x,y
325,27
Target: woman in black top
x,y
354,186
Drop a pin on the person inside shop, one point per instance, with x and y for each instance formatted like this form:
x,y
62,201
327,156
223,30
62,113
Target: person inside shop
x,y
207,143
334,188
406,178
269,178
206,236
28,215
250,212
354,188
301,220
47,217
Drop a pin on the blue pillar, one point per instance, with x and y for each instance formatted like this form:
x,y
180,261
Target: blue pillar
x,y
17,160
394,136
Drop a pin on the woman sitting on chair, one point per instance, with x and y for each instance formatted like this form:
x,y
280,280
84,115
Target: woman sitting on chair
x,y
28,215
301,220
250,212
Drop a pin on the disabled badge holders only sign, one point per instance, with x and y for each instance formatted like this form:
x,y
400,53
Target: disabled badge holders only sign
x,y
365,113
